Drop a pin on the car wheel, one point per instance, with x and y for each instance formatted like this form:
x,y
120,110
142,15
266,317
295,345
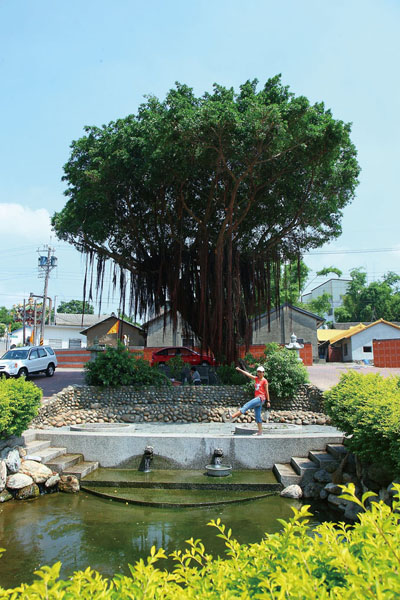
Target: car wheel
x,y
23,373
50,370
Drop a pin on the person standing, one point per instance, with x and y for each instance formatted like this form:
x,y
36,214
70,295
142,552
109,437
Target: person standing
x,y
261,395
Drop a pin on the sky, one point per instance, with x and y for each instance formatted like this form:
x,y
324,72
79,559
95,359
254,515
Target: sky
x,y
71,63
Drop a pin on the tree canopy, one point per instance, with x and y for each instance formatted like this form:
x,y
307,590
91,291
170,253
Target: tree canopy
x,y
198,201
378,300
76,307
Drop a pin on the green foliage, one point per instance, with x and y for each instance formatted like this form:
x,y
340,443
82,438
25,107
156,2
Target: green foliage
x,y
227,375
378,300
76,307
319,306
285,373
367,408
176,365
117,366
187,196
330,562
19,404
328,270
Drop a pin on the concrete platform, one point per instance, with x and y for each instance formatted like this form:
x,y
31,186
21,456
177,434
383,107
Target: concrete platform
x,y
191,446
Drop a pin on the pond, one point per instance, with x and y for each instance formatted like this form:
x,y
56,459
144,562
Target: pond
x,y
81,530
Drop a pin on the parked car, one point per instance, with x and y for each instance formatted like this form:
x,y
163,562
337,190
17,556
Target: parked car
x,y
188,356
27,361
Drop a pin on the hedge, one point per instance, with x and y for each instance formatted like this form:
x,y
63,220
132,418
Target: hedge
x,y
19,404
367,409
337,562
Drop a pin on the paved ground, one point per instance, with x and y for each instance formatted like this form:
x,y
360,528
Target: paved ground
x,y
323,376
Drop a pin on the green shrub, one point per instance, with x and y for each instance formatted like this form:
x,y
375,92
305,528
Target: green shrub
x,y
117,366
335,562
19,404
227,375
367,408
285,373
175,366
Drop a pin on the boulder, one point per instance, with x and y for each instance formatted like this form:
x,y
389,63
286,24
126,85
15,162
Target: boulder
x,y
39,473
3,475
292,491
336,501
52,481
30,491
5,496
34,457
312,490
13,461
18,481
322,476
352,510
68,484
333,488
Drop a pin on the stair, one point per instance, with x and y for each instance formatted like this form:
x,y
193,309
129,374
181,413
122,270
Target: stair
x,y
301,470
58,460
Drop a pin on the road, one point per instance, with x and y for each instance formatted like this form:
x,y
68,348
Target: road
x,y
323,376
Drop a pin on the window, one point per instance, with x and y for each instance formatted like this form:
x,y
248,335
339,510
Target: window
x,y
345,349
55,343
367,348
330,312
42,352
74,343
33,354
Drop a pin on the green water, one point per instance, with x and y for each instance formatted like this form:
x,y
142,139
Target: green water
x,y
82,530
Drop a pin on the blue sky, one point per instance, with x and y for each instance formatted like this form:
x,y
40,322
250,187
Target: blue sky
x,y
67,64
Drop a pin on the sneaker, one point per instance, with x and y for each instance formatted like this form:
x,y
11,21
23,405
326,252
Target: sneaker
x,y
227,418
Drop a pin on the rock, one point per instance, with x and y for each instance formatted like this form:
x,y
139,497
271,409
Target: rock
x,y
4,452
39,473
323,494
333,488
18,481
352,510
336,501
128,418
30,491
322,476
292,491
52,481
13,461
379,473
5,496
22,452
312,490
3,474
34,457
68,484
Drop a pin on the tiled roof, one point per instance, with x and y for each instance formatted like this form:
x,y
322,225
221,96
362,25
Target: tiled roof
x,y
72,320
341,335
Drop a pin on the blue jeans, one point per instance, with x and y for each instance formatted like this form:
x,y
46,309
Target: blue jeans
x,y
256,404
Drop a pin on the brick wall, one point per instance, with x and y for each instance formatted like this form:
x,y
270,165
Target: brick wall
x,y
386,353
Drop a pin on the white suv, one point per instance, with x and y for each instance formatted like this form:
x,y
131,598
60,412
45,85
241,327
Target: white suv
x,y
27,361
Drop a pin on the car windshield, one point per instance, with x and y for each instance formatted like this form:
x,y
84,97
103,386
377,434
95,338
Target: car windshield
x,y
15,354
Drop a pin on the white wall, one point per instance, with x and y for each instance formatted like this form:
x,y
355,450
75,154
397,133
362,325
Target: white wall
x,y
62,334
380,331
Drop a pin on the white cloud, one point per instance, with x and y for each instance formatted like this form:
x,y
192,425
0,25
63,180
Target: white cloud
x,y
24,224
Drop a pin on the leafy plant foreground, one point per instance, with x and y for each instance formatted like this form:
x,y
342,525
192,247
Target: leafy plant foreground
x,y
332,561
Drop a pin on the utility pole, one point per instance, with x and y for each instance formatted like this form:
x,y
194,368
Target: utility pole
x,y
46,264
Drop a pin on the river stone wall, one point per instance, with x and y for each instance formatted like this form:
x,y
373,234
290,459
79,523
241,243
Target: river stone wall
x,y
189,404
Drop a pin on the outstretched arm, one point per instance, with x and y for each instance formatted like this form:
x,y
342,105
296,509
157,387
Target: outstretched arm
x,y
246,373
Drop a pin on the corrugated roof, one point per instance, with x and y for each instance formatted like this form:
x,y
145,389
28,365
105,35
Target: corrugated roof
x,y
76,320
325,335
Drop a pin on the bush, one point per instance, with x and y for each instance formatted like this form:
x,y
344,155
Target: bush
x,y
19,404
227,375
335,562
117,366
367,408
285,373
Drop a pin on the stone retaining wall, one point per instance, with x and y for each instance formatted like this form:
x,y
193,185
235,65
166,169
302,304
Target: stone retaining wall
x,y
88,404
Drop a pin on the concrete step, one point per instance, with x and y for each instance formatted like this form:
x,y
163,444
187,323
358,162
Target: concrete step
x,y
82,469
35,446
286,475
323,460
303,467
49,453
61,463
29,436
338,451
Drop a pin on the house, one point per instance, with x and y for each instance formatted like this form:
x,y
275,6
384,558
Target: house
x,y
284,321
159,336
336,288
357,342
109,330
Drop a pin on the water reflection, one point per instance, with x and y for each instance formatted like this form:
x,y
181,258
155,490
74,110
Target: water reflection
x,y
81,530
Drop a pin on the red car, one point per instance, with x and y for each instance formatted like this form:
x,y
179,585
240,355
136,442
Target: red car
x,y
188,356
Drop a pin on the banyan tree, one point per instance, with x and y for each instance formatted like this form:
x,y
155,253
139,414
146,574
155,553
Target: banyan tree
x,y
196,202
